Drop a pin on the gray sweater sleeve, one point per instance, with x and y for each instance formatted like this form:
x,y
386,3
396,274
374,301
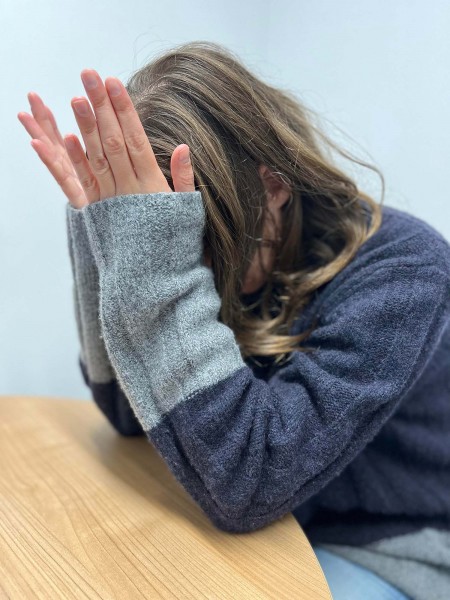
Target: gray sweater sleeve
x,y
93,360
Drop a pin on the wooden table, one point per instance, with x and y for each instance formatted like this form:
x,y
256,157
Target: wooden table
x,y
87,513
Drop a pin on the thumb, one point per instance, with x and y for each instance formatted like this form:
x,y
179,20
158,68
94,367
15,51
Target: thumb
x,y
181,169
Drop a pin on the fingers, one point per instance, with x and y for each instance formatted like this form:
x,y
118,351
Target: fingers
x,y
104,133
33,128
43,116
99,164
181,170
82,167
54,126
136,140
55,160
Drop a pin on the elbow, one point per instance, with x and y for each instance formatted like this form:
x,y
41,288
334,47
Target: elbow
x,y
245,518
245,523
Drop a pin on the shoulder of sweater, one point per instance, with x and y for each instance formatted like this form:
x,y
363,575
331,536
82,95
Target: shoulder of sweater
x,y
412,235
403,241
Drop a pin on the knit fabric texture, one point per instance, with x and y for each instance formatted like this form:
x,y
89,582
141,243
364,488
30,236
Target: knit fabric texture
x,y
352,438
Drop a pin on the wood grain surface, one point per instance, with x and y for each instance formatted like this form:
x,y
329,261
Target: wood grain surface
x,y
87,513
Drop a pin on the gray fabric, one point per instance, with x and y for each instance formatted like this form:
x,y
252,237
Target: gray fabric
x,y
72,237
417,563
149,270
86,299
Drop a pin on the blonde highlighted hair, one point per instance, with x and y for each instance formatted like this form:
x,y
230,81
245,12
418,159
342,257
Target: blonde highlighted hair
x,y
200,93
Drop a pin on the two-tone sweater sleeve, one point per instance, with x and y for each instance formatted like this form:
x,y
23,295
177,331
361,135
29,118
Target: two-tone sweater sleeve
x,y
248,450
93,359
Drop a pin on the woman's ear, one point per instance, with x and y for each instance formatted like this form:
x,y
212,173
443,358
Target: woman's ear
x,y
278,192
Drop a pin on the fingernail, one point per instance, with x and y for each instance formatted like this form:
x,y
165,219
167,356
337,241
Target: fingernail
x,y
113,88
89,80
70,143
81,108
185,156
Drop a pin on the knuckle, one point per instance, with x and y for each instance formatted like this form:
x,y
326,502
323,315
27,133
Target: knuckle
x,y
99,164
99,103
136,142
88,130
113,144
63,179
186,179
88,182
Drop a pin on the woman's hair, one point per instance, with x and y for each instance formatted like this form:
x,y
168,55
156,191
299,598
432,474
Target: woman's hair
x,y
200,94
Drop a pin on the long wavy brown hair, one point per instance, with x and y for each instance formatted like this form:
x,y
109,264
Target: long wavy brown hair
x,y
201,94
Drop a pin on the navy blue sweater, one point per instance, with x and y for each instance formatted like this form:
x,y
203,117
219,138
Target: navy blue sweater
x,y
353,439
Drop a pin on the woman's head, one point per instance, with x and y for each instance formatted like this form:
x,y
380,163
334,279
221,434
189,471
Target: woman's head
x,y
277,194
257,161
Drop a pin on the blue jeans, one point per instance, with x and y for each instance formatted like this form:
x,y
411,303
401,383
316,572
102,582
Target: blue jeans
x,y
350,581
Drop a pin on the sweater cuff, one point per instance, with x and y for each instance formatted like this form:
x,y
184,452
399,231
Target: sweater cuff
x,y
163,230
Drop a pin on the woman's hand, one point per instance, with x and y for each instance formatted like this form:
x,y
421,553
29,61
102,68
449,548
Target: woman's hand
x,y
121,159
49,144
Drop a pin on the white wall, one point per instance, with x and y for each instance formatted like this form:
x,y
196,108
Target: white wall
x,y
379,72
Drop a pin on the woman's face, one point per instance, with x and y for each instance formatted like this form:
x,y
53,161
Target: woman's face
x,y
277,193
255,276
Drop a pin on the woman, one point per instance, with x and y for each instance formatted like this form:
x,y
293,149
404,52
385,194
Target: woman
x,y
211,236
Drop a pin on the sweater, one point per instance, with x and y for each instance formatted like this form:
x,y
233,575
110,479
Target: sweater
x,y
352,438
